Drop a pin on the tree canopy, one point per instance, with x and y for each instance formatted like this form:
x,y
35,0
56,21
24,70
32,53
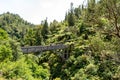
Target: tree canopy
x,y
91,30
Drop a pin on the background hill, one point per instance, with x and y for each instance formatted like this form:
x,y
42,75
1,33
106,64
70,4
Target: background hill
x,y
15,26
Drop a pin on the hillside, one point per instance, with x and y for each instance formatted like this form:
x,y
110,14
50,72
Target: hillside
x,y
15,26
93,33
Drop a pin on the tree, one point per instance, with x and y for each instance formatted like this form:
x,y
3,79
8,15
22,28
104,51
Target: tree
x,y
112,13
45,30
53,26
5,49
90,12
78,12
71,16
38,36
30,37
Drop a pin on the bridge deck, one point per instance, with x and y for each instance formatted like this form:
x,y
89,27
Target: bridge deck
x,y
32,49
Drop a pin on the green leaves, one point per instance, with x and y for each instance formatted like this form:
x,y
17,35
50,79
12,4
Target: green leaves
x,y
94,56
45,30
3,35
5,49
5,52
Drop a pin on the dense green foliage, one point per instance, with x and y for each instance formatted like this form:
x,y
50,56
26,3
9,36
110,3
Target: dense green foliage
x,y
93,31
15,26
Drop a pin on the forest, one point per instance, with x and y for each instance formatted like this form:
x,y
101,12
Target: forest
x,y
93,30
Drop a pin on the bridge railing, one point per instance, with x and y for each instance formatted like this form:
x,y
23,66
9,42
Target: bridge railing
x,y
32,49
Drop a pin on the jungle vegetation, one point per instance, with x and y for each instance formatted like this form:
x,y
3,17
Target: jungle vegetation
x,y
92,29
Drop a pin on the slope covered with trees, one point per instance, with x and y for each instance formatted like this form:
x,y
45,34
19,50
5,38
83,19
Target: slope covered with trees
x,y
92,30
15,26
